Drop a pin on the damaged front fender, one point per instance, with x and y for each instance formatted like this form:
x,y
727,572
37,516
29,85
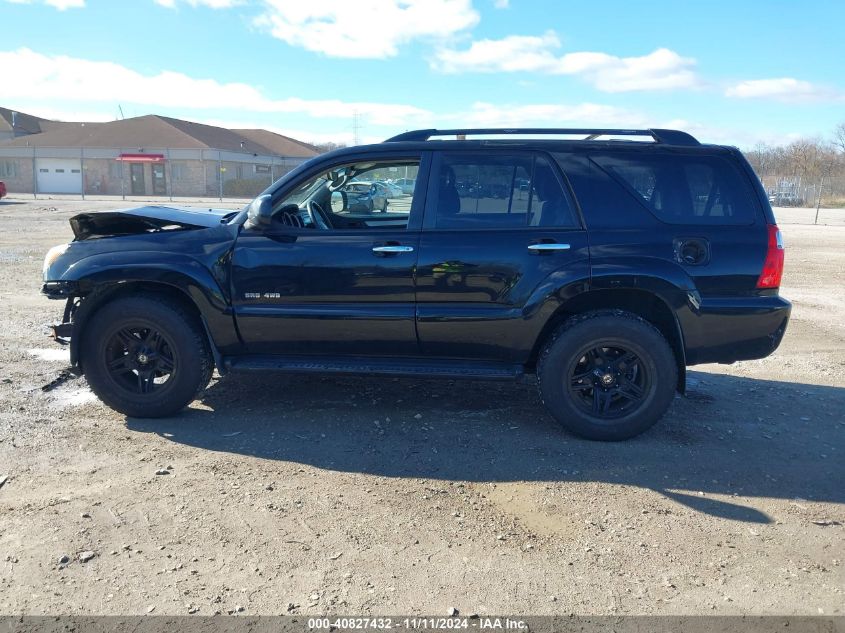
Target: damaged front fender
x,y
182,252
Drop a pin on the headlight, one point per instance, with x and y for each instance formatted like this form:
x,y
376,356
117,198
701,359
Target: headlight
x,y
52,255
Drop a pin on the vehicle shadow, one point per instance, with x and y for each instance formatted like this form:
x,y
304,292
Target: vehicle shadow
x,y
729,436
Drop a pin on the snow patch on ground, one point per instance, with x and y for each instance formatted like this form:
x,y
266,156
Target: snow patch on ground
x,y
50,355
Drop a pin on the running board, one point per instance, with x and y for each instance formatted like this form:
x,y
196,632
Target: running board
x,y
420,367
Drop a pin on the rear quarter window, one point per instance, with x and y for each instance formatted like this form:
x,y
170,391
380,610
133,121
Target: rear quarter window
x,y
684,189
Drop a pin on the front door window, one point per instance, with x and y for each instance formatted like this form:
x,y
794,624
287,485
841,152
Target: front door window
x,y
353,196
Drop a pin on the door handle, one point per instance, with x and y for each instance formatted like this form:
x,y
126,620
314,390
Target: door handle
x,y
393,249
548,246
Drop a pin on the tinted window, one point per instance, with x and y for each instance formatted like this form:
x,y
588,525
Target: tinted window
x,y
499,191
684,189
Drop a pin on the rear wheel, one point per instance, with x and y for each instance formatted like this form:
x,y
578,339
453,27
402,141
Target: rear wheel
x,y
145,356
607,375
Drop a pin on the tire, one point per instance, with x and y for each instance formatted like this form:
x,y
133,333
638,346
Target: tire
x,y
177,363
607,375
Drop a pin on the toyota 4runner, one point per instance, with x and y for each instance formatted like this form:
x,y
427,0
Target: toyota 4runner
x,y
604,262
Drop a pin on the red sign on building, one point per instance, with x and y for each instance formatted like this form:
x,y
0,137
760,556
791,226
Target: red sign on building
x,y
141,158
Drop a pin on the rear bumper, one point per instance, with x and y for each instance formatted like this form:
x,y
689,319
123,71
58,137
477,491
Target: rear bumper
x,y
725,330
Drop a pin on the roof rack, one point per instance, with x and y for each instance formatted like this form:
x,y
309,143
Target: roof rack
x,y
668,137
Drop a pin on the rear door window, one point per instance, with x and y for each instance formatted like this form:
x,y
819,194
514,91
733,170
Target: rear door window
x,y
684,189
498,190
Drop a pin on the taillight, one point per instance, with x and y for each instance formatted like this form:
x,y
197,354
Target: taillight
x,y
773,265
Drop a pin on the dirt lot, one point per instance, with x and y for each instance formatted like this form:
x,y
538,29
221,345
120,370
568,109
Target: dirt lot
x,y
372,495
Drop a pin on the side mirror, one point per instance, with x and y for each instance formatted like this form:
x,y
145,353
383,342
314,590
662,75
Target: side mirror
x,y
336,180
260,211
338,201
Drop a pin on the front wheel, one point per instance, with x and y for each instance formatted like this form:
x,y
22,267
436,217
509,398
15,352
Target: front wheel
x,y
607,375
145,356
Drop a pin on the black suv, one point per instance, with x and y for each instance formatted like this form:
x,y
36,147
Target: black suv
x,y
602,261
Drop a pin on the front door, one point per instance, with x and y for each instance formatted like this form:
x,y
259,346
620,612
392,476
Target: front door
x,y
136,176
500,231
342,285
159,183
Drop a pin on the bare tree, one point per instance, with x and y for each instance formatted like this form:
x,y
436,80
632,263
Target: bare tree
x,y
839,139
809,167
328,147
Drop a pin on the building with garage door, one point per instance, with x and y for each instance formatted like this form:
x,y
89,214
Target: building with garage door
x,y
142,156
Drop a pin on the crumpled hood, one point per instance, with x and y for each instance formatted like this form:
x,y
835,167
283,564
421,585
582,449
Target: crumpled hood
x,y
151,219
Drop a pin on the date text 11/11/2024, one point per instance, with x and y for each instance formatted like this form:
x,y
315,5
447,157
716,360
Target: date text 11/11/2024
x,y
418,623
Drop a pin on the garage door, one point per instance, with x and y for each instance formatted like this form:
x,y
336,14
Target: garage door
x,y
59,175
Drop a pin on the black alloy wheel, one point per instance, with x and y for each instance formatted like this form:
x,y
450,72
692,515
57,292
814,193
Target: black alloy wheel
x,y
140,359
607,375
609,382
145,355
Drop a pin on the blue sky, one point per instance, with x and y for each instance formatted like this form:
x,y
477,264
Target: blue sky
x,y
728,71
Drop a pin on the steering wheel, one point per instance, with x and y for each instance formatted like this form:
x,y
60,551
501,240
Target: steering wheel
x,y
317,216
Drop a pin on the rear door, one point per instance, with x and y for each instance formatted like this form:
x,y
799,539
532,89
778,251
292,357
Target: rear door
x,y
499,226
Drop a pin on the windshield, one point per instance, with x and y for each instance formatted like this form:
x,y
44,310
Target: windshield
x,y
306,190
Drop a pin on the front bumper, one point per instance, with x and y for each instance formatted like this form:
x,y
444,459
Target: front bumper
x,y
62,332
60,289
726,330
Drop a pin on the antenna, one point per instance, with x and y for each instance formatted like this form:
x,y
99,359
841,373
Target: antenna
x,y
121,111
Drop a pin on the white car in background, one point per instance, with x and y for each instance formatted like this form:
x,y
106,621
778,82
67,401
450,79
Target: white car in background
x,y
406,185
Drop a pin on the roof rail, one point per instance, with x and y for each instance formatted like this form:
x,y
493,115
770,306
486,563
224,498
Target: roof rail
x,y
668,137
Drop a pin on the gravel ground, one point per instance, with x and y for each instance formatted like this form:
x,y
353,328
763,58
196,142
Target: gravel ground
x,y
368,495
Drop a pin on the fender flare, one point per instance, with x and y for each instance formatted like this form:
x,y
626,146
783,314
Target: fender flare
x,y
102,276
665,281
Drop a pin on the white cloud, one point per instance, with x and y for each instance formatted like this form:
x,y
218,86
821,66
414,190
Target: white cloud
x,y
483,114
365,28
67,88
336,134
501,4
661,69
87,115
35,77
785,89
61,5
728,135
211,4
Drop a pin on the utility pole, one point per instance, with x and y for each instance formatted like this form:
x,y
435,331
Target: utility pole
x,y
34,176
83,175
220,175
819,197
170,174
356,127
